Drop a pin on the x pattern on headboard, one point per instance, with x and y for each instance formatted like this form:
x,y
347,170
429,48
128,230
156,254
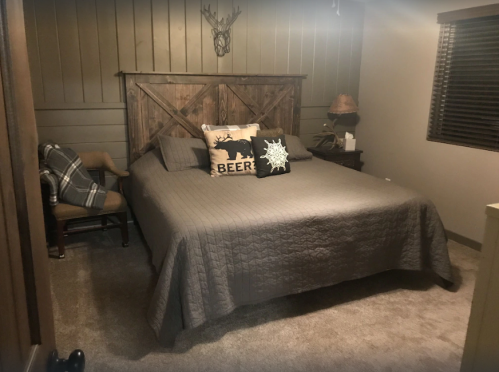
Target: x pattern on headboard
x,y
178,104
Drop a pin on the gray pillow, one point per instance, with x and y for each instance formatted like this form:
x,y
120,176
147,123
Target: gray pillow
x,y
296,150
274,132
184,153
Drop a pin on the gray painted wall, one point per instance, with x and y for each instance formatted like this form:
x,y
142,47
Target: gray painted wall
x,y
77,48
398,61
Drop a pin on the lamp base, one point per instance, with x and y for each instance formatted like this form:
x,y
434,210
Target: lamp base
x,y
333,117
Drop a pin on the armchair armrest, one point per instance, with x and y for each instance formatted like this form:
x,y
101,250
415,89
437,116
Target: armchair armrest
x,y
100,160
46,177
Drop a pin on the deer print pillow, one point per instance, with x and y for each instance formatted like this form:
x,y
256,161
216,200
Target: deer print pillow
x,y
231,152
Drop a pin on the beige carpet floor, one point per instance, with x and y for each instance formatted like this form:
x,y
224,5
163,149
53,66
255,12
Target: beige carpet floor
x,y
394,321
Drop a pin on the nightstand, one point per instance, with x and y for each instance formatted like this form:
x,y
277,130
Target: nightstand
x,y
349,159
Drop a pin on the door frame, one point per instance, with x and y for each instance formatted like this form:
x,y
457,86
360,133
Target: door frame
x,y
29,317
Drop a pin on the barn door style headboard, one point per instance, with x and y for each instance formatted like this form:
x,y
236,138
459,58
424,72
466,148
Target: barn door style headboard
x,y
178,104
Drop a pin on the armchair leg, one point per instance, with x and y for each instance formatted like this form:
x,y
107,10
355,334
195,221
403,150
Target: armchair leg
x,y
124,228
61,227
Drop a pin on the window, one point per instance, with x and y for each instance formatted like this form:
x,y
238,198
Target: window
x,y
465,100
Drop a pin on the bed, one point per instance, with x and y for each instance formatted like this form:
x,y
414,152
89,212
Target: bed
x,y
219,243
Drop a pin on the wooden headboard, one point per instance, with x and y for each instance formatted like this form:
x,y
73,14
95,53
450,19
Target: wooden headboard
x,y
178,104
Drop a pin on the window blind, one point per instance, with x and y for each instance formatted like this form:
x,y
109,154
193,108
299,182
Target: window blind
x,y
465,100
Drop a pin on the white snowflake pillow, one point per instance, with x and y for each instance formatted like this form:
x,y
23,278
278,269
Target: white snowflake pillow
x,y
271,155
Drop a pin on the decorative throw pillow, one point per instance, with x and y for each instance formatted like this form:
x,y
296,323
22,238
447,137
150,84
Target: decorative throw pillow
x,y
208,128
296,149
231,152
271,156
184,153
274,132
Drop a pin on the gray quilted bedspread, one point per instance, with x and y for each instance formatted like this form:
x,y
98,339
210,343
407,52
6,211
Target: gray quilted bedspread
x,y
219,243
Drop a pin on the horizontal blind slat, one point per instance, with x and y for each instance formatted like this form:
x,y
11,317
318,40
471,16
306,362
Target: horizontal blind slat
x,y
469,56
467,129
468,136
453,142
471,100
470,107
477,43
464,86
466,114
478,35
488,145
467,121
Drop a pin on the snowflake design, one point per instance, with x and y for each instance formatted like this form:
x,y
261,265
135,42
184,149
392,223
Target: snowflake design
x,y
276,155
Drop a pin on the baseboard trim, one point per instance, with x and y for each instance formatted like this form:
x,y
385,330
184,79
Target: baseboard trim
x,y
464,240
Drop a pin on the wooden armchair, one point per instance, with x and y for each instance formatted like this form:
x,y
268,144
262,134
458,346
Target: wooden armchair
x,y
115,203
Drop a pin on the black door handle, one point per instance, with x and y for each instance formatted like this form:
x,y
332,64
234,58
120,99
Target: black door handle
x,y
75,362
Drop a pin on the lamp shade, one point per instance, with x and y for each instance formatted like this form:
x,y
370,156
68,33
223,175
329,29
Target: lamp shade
x,y
343,104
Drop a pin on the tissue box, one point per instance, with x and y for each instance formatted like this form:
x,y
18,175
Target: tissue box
x,y
349,144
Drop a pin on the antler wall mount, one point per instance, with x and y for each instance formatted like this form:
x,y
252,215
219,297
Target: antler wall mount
x,y
221,29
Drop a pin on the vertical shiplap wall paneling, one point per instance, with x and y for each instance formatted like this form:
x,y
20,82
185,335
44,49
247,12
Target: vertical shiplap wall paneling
x,y
270,36
67,31
282,34
356,57
332,53
313,55
78,47
253,51
295,26
177,36
161,35
240,37
108,50
224,10
50,60
125,30
143,35
193,33
307,53
89,49
345,48
267,36
109,58
33,51
210,59
322,19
